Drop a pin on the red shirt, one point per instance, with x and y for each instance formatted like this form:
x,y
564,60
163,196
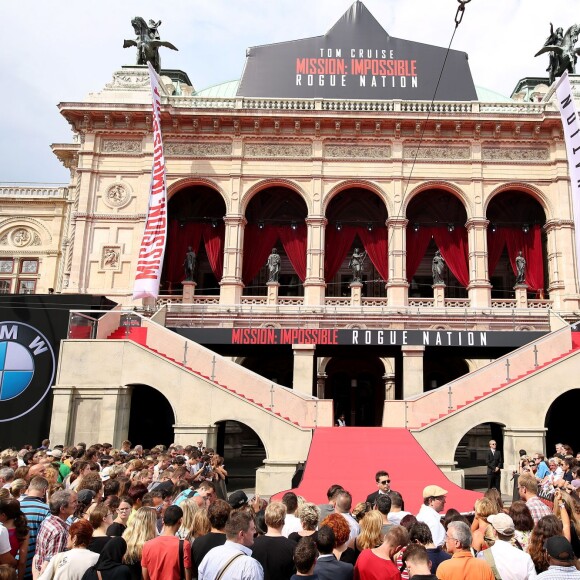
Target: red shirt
x,y
161,557
370,567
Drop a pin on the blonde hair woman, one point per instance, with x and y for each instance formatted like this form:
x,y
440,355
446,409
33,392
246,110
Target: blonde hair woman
x,y
190,508
141,529
309,516
370,531
484,508
201,524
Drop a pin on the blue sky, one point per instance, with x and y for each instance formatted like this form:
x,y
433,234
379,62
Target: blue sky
x,y
62,50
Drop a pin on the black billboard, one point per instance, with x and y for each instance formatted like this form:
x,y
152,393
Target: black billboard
x,y
356,59
31,328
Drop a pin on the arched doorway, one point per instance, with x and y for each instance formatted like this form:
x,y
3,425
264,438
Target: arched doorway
x,y
439,370
243,453
471,453
562,420
196,219
276,218
357,388
516,223
151,418
275,368
356,219
437,222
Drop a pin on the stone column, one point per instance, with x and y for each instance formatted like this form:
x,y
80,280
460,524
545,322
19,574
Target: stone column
x,y
412,370
321,385
115,413
190,434
231,284
62,415
397,285
521,295
439,295
389,380
314,284
355,293
188,291
303,368
272,298
479,288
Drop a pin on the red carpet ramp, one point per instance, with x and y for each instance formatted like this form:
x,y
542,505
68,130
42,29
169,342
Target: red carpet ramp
x,y
350,456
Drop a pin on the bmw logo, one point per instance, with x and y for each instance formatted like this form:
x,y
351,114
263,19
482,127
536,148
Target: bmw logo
x,y
26,369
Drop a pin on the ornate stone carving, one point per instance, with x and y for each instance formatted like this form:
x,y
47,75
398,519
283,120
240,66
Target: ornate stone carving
x,y
198,149
36,241
4,240
437,153
117,195
21,237
121,146
515,154
111,258
268,150
132,79
358,151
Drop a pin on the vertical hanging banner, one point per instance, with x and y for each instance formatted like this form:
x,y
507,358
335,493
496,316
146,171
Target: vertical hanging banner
x,y
571,126
152,249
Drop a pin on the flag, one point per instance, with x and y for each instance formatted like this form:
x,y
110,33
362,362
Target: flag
x,y
152,249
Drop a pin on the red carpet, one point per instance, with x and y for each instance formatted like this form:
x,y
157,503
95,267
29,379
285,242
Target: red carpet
x,y
350,456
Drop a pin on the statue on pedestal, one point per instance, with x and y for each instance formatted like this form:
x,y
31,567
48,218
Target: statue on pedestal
x,y
273,264
437,268
520,268
189,264
563,54
356,263
147,42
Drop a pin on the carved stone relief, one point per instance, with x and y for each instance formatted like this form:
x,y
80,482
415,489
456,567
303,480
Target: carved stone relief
x,y
111,258
268,150
437,153
358,151
198,149
117,195
21,237
514,154
121,146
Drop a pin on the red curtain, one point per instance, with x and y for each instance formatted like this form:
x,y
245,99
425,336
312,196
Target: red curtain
x,y
454,249
336,246
294,242
179,238
258,244
214,247
495,244
531,246
417,242
375,243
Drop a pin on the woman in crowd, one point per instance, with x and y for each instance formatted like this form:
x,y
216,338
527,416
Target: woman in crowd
x,y
142,528
84,500
484,508
547,527
201,524
110,563
119,524
523,522
15,522
219,476
309,515
189,507
72,564
370,532
567,510
101,518
494,496
341,535
18,488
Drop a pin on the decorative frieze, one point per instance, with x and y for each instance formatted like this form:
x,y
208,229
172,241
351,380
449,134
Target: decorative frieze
x,y
121,146
277,150
198,149
358,151
129,79
439,152
515,154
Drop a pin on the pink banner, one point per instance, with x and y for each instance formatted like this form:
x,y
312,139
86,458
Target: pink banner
x,y
152,249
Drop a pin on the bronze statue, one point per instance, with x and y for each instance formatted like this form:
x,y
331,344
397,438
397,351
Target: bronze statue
x,y
437,268
521,269
356,263
563,54
189,264
147,42
273,264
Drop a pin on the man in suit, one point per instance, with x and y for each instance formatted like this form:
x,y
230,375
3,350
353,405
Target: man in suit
x,y
328,567
384,486
494,463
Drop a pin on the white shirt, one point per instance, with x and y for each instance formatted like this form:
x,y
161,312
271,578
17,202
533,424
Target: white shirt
x,y
243,568
430,517
4,541
291,524
353,525
511,563
396,517
70,565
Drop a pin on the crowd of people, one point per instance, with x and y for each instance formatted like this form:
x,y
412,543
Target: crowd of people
x,y
98,513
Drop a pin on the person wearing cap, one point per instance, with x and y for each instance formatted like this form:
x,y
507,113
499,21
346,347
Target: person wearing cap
x,y
433,504
509,562
238,499
561,559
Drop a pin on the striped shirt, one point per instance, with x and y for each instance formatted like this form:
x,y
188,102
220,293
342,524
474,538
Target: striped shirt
x,y
35,511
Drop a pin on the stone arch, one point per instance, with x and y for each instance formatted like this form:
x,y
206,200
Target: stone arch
x,y
260,429
445,186
528,188
180,184
362,184
247,196
36,225
478,420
